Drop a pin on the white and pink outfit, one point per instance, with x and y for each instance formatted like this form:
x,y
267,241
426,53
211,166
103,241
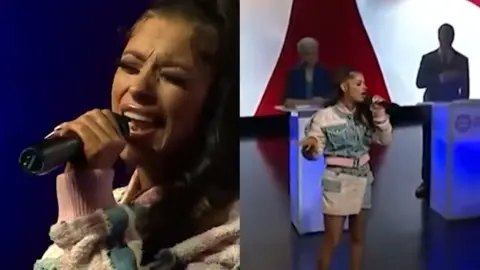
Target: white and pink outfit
x,y
96,230
345,143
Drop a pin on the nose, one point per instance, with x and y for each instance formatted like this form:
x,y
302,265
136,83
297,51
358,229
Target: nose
x,y
143,89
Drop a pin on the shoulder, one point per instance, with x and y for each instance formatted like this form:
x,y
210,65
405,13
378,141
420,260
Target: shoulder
x,y
461,56
298,67
221,243
430,55
214,246
327,117
320,68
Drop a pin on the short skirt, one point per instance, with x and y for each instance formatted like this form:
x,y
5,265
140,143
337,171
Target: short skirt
x,y
346,191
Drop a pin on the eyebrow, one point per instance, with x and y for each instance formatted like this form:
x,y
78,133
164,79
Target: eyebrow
x,y
163,60
136,54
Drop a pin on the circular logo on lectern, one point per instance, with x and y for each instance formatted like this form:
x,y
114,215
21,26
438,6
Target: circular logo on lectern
x,y
463,123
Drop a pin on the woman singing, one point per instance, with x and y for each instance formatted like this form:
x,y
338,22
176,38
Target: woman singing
x,y
343,132
177,81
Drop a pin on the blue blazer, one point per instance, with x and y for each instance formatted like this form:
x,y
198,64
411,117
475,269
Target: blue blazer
x,y
297,84
431,66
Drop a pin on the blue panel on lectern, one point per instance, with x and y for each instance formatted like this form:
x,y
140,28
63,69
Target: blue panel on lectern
x,y
311,194
455,174
439,174
466,174
439,149
440,122
293,170
305,184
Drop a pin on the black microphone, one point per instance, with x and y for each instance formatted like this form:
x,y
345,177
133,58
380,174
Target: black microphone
x,y
49,154
369,100
389,107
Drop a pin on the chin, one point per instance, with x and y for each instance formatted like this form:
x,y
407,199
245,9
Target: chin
x,y
357,101
135,156
132,155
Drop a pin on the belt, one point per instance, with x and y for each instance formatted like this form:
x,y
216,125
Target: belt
x,y
347,162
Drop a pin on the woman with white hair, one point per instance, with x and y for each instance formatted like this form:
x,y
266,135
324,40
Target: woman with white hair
x,y
308,82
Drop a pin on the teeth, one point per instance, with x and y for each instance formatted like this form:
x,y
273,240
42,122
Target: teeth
x,y
138,117
131,126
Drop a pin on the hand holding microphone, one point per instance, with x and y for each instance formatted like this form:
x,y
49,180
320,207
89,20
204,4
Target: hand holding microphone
x,y
378,106
102,139
96,138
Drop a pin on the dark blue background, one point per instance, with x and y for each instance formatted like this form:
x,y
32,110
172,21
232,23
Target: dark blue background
x,y
57,59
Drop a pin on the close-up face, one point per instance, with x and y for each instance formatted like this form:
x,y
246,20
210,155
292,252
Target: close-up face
x,y
445,37
355,88
309,56
161,84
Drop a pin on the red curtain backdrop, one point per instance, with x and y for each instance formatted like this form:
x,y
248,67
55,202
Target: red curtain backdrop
x,y
337,25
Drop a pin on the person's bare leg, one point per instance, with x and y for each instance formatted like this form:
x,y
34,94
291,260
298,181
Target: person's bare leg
x,y
331,238
357,239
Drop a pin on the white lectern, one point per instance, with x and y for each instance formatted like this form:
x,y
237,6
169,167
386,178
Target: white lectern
x,y
305,176
455,159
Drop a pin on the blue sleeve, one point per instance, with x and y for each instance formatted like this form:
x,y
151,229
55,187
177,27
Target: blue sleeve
x,y
466,83
426,77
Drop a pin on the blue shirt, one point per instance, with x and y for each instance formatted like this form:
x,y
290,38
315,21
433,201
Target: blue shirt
x,y
298,87
309,91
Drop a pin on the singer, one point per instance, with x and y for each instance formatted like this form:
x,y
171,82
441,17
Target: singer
x,y
343,132
177,81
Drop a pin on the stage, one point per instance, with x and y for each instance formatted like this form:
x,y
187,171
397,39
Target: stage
x,y
402,233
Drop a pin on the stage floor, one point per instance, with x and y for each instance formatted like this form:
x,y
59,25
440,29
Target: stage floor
x,y
401,234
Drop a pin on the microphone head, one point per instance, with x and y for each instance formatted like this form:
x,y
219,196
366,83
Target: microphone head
x,y
392,108
30,161
368,100
122,122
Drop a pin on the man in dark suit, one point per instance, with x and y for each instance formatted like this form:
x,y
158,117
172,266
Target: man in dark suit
x,y
444,74
308,82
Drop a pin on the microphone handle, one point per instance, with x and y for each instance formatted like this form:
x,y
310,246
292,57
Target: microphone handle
x,y
49,154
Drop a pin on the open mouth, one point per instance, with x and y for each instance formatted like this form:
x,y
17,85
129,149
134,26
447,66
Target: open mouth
x,y
141,125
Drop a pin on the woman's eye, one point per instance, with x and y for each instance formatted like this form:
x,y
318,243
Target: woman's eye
x,y
175,79
129,68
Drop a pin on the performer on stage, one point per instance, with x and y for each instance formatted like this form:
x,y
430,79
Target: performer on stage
x,y
343,132
308,82
177,81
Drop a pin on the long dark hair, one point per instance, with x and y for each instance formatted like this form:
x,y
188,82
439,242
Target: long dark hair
x,y
210,180
362,113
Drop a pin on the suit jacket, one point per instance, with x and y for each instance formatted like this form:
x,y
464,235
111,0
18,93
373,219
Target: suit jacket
x,y
297,84
431,66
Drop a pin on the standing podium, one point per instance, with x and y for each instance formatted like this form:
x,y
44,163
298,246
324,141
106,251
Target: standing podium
x,y
455,155
305,176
